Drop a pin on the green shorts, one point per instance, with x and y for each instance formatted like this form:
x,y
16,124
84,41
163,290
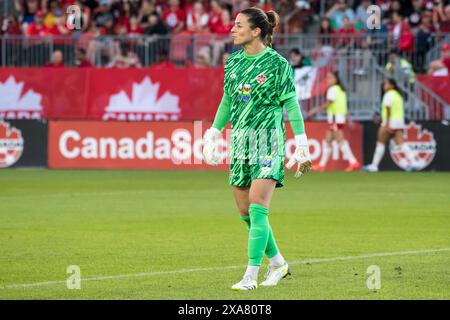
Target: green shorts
x,y
242,172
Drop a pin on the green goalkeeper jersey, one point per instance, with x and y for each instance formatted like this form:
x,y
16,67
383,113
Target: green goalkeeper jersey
x,y
257,85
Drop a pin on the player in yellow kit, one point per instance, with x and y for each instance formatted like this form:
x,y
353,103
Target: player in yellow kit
x,y
392,125
337,113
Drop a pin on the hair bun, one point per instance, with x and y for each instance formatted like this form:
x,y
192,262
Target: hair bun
x,y
274,19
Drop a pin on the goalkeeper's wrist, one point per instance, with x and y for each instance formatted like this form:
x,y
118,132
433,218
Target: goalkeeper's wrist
x,y
301,140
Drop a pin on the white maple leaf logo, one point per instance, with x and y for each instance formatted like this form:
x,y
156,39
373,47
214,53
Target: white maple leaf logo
x,y
144,99
11,97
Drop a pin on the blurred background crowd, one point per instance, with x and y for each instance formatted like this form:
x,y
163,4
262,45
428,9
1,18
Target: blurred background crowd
x,y
407,26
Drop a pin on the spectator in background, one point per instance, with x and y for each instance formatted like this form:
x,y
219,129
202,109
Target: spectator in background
x,y
28,9
197,19
337,12
415,16
424,40
441,66
215,15
222,43
125,58
203,58
80,59
298,60
174,16
57,60
37,28
146,9
361,15
10,26
225,24
103,16
164,61
347,32
385,5
156,26
325,32
134,28
401,35
51,16
441,16
400,68
59,28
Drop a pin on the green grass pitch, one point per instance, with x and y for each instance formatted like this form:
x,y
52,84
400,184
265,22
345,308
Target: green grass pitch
x,y
177,235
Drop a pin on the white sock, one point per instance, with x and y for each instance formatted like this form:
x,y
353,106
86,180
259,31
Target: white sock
x,y
252,271
347,152
325,154
378,154
277,260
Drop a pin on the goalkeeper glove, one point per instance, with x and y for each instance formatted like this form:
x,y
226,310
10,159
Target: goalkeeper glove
x,y
301,156
211,146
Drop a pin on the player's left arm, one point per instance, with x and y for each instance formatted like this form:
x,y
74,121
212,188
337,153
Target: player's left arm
x,y
288,98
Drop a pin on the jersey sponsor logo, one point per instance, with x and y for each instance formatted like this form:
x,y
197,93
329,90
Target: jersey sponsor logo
x,y
17,102
143,104
261,78
421,145
233,76
11,145
245,92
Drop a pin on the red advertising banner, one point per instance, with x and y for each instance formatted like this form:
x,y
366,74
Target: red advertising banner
x,y
439,86
150,94
157,145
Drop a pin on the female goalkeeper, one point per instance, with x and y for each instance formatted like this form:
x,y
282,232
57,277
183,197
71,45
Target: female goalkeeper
x,y
258,84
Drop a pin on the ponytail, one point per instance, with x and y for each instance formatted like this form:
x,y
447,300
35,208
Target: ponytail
x,y
274,20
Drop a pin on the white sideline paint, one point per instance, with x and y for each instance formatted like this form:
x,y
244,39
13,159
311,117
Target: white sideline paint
x,y
157,273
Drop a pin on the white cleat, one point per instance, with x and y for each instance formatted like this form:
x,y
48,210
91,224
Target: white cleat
x,y
370,168
275,274
247,283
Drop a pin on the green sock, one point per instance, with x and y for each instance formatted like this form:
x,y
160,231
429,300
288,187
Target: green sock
x,y
271,248
258,234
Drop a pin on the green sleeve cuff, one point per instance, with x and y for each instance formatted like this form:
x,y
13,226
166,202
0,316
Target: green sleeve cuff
x,y
294,115
223,114
288,95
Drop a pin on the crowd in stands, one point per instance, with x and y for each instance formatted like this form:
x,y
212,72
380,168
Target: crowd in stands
x,y
408,25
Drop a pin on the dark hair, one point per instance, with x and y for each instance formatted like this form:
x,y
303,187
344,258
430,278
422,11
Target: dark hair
x,y
296,51
338,80
322,30
394,84
394,51
266,21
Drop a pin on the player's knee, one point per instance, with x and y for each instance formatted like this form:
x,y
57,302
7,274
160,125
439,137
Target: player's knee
x,y
261,200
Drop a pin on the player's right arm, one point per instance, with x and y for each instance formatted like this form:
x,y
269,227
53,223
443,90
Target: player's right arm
x,y
223,115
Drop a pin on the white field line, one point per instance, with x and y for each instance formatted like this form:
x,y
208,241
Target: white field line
x,y
158,273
